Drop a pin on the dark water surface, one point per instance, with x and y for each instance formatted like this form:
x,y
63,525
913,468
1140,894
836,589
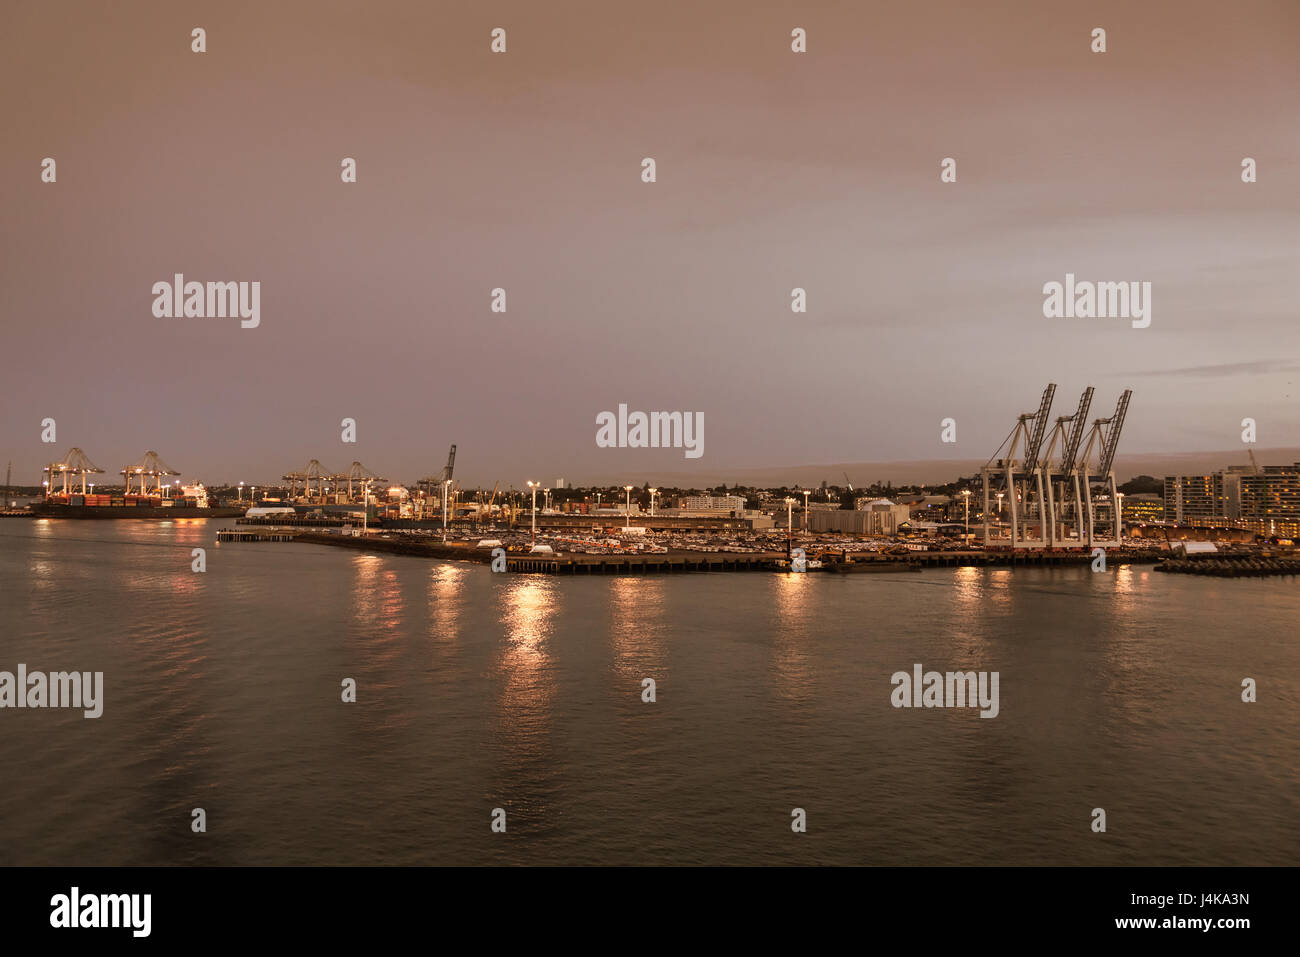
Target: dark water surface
x,y
475,691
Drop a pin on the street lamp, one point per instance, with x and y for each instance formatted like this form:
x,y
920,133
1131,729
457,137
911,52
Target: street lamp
x,y
627,523
653,493
241,491
445,484
533,486
965,494
806,493
789,523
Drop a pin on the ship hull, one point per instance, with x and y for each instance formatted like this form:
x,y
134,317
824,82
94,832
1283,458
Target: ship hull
x,y
131,511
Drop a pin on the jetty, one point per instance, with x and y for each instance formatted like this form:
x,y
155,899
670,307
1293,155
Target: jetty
x,y
256,535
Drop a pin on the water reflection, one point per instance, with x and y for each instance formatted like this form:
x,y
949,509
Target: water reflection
x,y
378,620
524,714
529,611
636,627
974,591
446,598
793,602
377,596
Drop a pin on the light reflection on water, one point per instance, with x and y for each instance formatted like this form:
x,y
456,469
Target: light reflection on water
x,y
636,628
793,594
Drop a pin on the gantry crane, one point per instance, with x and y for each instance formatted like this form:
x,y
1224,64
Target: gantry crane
x,y
1037,489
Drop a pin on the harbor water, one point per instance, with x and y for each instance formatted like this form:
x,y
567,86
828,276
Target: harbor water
x,y
1119,690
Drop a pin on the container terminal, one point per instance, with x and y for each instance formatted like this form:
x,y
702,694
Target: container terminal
x,y
1048,496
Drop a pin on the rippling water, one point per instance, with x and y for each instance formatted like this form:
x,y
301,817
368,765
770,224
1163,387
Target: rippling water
x,y
476,691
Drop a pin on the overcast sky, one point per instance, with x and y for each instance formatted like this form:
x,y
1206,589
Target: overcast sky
x,y
523,171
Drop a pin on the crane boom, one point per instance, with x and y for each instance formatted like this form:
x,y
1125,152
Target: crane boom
x,y
450,466
1112,434
1079,422
1040,427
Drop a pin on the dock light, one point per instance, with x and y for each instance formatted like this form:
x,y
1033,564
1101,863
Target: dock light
x,y
653,493
533,486
965,494
806,493
627,522
445,485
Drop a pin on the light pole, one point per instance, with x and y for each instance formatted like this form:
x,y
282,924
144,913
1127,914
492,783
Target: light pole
x,y
533,486
1119,515
1000,494
365,508
806,493
546,492
241,491
653,493
789,523
445,484
965,494
627,523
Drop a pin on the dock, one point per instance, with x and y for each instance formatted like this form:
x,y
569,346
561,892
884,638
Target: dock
x,y
255,535
277,521
679,562
565,564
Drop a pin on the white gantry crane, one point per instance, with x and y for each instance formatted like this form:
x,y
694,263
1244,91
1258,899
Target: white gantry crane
x,y
1052,505
149,470
75,464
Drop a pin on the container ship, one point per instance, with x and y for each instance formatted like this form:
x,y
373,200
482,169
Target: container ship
x,y
191,503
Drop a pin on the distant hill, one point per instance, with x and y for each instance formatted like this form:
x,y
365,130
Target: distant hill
x,y
940,471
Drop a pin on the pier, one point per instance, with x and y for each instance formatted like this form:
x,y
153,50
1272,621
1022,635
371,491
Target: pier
x,y
570,563
251,535
278,521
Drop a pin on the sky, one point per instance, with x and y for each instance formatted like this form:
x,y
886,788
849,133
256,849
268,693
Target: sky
x,y
523,171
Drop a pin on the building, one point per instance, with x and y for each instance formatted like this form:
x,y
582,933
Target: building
x,y
874,517
1143,507
1265,500
711,503
1271,499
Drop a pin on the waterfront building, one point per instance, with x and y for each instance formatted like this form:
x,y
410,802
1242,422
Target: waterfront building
x,y
711,503
1265,500
875,517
